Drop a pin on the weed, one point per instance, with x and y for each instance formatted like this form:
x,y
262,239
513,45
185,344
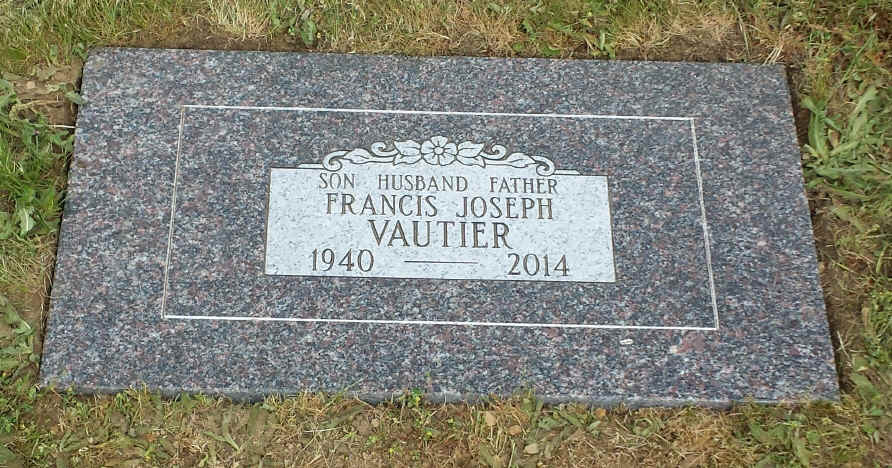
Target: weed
x,y
17,371
30,163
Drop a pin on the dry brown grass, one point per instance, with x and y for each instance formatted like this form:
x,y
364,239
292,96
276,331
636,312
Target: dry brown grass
x,y
242,19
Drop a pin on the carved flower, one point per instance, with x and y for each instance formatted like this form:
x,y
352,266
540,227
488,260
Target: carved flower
x,y
438,150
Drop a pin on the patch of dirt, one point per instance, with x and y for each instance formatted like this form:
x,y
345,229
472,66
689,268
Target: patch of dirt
x,y
44,91
203,35
680,48
801,115
841,304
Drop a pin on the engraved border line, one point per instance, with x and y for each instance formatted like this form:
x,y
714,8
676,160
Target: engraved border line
x,y
173,210
698,174
434,322
710,278
424,112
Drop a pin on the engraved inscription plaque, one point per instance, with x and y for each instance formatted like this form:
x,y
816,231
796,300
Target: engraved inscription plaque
x,y
439,209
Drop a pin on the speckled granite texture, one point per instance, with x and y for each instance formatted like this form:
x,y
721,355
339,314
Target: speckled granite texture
x,y
668,338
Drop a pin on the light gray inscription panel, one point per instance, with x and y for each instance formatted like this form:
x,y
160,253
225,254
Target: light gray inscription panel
x,y
444,219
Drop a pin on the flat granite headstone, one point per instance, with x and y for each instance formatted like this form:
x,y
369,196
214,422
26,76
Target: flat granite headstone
x,y
250,223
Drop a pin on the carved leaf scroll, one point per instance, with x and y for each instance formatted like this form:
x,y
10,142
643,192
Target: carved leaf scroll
x,y
439,151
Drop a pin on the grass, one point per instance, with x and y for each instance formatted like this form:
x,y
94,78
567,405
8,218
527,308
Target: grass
x,y
838,57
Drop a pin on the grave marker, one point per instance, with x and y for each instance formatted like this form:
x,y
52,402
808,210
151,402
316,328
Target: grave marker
x,y
255,223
